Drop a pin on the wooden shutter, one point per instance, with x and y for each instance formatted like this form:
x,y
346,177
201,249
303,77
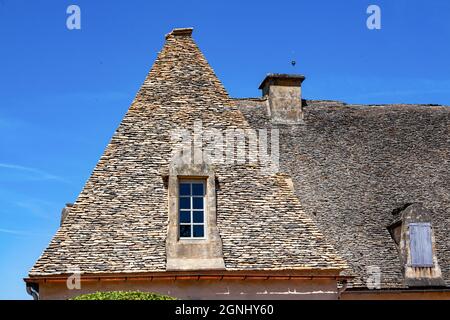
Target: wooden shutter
x,y
420,245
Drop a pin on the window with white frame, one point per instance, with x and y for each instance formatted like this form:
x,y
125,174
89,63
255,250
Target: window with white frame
x,y
191,209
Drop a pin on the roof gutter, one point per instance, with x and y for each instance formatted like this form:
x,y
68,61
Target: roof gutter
x,y
212,275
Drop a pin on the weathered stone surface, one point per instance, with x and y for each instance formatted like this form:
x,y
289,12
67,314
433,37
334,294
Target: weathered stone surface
x,y
345,169
352,165
284,97
119,221
430,276
196,254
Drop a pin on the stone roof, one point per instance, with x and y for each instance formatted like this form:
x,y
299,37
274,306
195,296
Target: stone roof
x,y
119,221
353,165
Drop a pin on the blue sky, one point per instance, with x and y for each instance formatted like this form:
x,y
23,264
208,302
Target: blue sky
x,y
63,92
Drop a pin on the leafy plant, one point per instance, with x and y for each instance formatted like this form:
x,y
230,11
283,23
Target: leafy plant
x,y
123,295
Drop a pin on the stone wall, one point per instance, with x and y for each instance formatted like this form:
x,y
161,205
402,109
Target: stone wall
x,y
205,289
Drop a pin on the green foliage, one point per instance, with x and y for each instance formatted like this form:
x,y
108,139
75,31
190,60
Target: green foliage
x,y
123,295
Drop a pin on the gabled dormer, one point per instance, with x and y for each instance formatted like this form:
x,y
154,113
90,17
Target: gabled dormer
x,y
413,234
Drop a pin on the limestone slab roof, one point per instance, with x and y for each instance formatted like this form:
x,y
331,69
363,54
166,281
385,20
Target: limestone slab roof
x,y
119,221
353,165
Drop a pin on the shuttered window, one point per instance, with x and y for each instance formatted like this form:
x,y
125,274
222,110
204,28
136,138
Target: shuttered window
x,y
420,245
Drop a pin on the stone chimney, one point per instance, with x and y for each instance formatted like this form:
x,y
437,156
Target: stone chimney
x,y
183,32
284,94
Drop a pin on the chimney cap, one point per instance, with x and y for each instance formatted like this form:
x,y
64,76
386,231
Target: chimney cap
x,y
180,32
283,79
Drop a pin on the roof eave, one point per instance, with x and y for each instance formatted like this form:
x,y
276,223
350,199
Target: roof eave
x,y
197,275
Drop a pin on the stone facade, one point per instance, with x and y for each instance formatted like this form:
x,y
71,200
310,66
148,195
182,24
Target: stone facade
x,y
319,223
212,287
284,98
121,221
417,276
196,254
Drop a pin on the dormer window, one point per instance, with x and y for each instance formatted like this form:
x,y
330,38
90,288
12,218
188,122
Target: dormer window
x,y
420,245
193,241
414,236
192,209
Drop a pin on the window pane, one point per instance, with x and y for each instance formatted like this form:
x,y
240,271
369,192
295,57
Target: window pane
x,y
185,203
185,230
185,216
185,189
197,202
198,216
199,231
197,189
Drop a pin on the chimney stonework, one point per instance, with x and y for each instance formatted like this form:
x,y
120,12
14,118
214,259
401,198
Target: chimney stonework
x,y
183,32
284,94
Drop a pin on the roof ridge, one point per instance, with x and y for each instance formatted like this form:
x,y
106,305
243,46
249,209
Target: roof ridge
x,y
180,32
